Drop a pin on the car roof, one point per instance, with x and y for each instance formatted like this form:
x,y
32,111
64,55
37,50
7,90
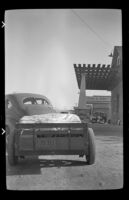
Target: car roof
x,y
25,95
22,95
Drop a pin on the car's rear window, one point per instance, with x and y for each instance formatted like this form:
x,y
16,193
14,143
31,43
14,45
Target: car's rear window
x,y
29,100
32,100
41,101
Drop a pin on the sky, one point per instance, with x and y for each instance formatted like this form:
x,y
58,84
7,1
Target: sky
x,y
41,46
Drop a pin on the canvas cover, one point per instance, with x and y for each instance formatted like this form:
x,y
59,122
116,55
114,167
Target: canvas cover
x,y
51,118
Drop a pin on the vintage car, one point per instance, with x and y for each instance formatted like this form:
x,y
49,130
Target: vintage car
x,y
34,127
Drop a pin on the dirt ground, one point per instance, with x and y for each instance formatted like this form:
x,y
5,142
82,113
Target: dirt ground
x,y
72,172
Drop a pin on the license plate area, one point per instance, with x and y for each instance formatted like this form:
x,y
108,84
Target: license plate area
x,y
52,141
47,143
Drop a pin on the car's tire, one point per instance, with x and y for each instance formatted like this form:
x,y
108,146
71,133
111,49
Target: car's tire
x,y
10,141
90,158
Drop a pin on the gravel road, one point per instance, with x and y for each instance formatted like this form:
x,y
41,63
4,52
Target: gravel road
x,y
71,172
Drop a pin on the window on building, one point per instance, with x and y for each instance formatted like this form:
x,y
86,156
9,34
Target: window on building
x,y
118,60
117,103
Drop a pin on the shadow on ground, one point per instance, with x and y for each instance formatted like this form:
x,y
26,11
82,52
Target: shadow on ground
x,y
33,166
107,130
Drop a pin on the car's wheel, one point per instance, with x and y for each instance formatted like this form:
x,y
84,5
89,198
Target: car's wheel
x,y
12,158
90,158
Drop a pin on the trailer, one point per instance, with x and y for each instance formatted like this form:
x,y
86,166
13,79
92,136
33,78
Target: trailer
x,y
49,134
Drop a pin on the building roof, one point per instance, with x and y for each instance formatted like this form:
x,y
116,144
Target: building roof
x,y
101,77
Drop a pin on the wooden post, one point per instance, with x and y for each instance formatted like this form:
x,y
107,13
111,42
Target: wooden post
x,y
82,96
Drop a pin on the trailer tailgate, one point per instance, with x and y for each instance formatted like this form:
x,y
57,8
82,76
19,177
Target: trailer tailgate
x,y
51,137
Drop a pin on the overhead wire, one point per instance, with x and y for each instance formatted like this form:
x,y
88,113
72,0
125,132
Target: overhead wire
x,y
90,28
